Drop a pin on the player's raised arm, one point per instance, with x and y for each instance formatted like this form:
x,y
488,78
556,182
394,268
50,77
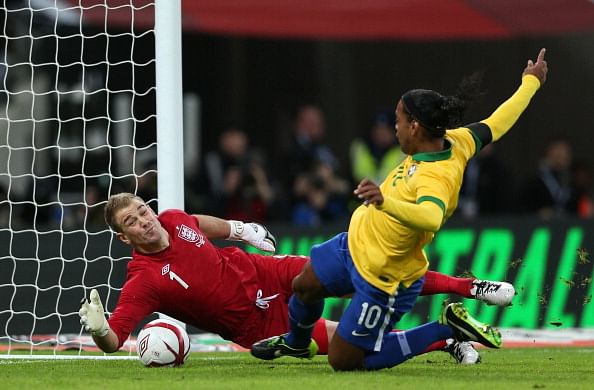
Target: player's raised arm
x,y
539,68
506,115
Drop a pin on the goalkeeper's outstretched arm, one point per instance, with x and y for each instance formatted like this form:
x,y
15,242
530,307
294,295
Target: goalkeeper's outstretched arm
x,y
251,233
108,343
92,317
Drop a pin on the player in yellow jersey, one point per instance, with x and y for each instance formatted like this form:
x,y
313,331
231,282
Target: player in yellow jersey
x,y
380,261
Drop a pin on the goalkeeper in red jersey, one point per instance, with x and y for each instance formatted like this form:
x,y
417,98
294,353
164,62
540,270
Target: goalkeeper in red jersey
x,y
177,271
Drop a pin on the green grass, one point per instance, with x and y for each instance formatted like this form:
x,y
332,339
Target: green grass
x,y
552,368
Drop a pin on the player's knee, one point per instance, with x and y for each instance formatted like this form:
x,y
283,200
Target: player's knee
x,y
343,356
306,293
307,287
344,363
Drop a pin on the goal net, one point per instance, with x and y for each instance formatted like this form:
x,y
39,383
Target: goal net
x,y
77,123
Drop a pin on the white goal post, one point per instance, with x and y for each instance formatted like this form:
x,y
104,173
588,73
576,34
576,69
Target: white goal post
x,y
89,89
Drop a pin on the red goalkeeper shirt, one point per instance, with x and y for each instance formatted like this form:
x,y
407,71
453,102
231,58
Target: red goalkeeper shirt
x,y
240,296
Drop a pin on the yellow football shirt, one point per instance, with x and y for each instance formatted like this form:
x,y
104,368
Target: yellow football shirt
x,y
384,250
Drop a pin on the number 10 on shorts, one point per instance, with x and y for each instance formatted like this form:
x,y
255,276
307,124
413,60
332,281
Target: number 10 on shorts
x,y
370,315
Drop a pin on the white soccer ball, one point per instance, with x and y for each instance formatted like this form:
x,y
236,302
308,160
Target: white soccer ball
x,y
163,342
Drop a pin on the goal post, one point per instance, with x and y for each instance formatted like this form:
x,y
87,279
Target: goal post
x,y
168,56
90,102
168,76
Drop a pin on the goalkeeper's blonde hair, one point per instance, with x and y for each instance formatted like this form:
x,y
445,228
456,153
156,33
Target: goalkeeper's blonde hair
x,y
115,203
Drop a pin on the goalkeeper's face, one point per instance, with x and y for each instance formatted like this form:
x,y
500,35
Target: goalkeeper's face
x,y
140,227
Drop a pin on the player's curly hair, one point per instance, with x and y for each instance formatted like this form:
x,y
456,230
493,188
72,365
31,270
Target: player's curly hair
x,y
115,203
437,112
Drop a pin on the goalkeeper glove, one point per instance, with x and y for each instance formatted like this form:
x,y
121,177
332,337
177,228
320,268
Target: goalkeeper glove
x,y
252,233
92,315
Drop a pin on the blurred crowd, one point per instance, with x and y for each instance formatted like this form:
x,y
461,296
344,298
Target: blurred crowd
x,y
304,183
301,183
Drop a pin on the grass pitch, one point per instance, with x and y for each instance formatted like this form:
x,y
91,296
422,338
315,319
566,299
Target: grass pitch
x,y
532,368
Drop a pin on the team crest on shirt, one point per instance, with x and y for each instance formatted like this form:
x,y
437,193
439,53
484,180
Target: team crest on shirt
x,y
412,170
188,234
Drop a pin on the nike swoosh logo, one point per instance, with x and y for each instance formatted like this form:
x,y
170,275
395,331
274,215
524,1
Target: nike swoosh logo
x,y
469,335
357,334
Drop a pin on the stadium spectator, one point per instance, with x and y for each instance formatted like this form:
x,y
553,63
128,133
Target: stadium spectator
x,y
375,155
381,261
583,185
549,192
308,146
239,184
320,197
176,270
483,188
305,151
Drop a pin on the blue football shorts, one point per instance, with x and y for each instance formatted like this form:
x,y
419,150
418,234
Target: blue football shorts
x,y
371,313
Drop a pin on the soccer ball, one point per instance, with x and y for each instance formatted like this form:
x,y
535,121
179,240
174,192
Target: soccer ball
x,y
163,342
